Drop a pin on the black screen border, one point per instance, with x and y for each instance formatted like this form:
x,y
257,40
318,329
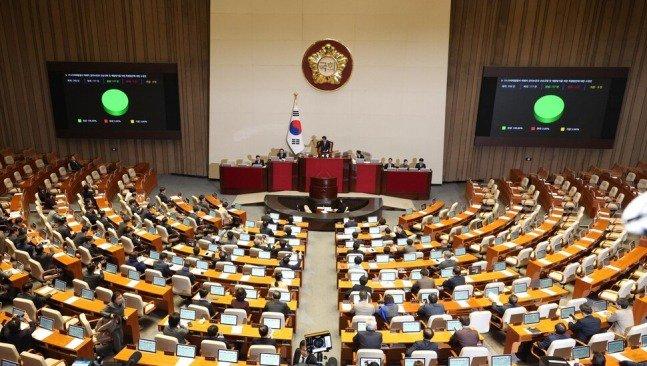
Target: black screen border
x,y
618,76
55,70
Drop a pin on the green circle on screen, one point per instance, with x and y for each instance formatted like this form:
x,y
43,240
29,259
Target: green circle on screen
x,y
548,108
115,102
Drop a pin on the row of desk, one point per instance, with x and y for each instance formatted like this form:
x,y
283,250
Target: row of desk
x,y
295,175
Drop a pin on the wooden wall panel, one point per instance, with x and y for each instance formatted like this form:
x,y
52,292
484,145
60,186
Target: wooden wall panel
x,y
35,31
542,33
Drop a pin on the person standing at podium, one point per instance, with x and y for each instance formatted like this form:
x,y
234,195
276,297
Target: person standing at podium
x,y
282,155
421,164
258,161
389,164
324,147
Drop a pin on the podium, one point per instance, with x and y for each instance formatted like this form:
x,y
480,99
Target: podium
x,y
366,178
282,175
412,184
324,168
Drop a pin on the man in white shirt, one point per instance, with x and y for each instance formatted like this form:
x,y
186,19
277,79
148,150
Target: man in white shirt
x,y
622,319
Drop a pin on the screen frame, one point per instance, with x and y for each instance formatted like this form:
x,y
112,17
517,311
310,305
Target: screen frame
x,y
619,76
171,93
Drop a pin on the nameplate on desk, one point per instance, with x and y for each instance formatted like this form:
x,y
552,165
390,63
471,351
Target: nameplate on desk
x,y
41,333
74,343
70,300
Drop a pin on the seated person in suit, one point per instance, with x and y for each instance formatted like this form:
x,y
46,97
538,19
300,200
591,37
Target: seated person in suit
x,y
361,286
276,305
91,278
281,154
389,309
303,356
586,327
368,339
421,164
464,337
431,307
46,260
108,338
425,344
560,333
425,282
359,154
448,260
117,305
20,338
364,306
74,165
285,263
389,164
357,262
239,301
29,294
187,273
264,331
501,308
405,164
409,248
203,300
457,280
175,329
324,147
258,161
356,248
131,260
213,334
162,195
162,266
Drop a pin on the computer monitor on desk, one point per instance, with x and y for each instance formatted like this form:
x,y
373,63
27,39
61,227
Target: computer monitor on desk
x,y
146,345
186,351
501,360
458,361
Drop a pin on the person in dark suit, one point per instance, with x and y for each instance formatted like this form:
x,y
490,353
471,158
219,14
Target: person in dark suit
x,y
74,165
281,154
356,245
464,337
29,294
91,278
82,236
187,273
303,356
359,154
276,305
350,223
239,301
560,333
213,334
285,263
425,344
265,229
203,300
452,282
264,331
431,307
162,195
175,329
368,339
405,164
586,327
421,164
324,147
361,286
447,260
21,339
162,266
131,260
64,230
501,308
389,164
258,161
46,260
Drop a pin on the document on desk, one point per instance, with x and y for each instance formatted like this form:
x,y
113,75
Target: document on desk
x,y
41,333
463,303
185,361
549,292
619,356
132,283
70,300
74,343
387,284
223,276
105,246
44,291
522,294
613,268
407,283
587,279
372,265
245,278
346,307
544,261
59,254
507,273
236,329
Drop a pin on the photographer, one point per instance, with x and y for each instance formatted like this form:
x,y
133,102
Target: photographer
x,y
303,356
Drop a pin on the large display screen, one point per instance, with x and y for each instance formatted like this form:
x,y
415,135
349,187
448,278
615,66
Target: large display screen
x,y
115,100
559,107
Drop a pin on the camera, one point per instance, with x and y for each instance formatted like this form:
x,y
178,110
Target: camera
x,y
318,342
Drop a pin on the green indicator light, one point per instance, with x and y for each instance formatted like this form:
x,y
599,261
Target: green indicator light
x,y
114,102
548,108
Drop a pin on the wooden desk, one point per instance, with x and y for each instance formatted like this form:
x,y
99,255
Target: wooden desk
x,y
256,304
501,222
215,202
70,304
419,263
640,309
446,225
184,249
187,209
55,345
18,278
161,295
612,272
498,252
159,358
537,267
515,334
217,276
342,250
416,216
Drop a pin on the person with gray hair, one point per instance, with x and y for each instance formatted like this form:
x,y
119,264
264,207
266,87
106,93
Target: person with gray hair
x,y
368,338
448,260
